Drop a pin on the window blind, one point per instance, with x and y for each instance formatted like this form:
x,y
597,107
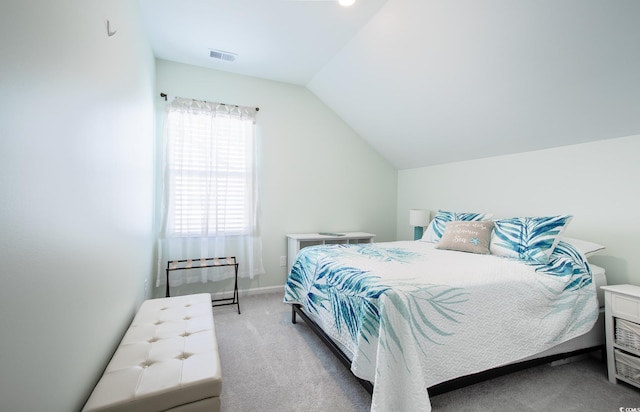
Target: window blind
x,y
210,173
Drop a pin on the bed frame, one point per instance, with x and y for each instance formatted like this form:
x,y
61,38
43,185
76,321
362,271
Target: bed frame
x,y
456,383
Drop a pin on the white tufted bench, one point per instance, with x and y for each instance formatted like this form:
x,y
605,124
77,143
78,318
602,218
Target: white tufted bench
x,y
167,361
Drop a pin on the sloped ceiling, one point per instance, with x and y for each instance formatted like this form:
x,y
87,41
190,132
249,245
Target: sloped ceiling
x,y
428,82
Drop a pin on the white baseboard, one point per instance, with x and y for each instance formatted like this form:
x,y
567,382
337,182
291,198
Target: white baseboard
x,y
250,292
261,291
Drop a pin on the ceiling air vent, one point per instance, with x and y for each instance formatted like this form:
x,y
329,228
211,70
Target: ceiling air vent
x,y
222,55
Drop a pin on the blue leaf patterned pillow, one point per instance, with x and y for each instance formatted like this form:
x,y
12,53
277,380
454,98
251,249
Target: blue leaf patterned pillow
x,y
435,229
528,238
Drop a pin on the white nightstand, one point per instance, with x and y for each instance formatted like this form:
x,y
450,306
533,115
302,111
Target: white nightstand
x,y
297,241
622,330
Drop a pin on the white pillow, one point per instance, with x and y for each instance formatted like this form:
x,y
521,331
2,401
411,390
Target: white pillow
x,y
587,248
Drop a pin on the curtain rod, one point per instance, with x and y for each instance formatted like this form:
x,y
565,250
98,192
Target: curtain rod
x,y
164,95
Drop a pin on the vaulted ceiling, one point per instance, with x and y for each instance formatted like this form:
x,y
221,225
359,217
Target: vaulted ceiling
x,y
428,82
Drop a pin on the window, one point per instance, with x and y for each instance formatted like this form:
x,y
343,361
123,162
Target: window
x,y
210,170
210,202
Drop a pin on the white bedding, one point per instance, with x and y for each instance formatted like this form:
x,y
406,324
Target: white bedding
x,y
414,316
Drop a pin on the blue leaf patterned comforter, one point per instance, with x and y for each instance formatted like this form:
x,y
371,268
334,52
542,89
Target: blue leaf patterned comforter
x,y
411,316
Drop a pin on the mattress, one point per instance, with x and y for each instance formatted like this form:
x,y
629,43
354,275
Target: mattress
x,y
590,339
595,337
600,279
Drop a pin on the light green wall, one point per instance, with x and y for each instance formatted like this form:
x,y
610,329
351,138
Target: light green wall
x,y
76,184
596,182
316,173
77,139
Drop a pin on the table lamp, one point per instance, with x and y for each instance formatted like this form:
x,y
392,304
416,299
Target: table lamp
x,y
418,218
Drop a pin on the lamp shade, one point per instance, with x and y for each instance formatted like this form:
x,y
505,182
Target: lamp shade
x,y
418,217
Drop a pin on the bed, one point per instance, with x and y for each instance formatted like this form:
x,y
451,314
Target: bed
x,y
412,315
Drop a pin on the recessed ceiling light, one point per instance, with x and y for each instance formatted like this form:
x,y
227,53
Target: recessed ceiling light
x,y
346,3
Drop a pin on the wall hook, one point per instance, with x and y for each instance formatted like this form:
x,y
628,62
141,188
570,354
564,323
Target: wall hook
x,y
109,32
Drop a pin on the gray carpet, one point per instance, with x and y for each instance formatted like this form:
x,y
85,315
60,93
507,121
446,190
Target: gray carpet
x,y
270,364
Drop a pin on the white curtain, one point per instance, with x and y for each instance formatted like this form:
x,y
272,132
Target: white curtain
x,y
210,205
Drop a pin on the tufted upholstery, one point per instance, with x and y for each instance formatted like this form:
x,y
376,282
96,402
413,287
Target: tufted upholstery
x,y
167,360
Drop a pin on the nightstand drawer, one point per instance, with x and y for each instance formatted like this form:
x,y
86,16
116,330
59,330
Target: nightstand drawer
x,y
627,367
627,334
625,307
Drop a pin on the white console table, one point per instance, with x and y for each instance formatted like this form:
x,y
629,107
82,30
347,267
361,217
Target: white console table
x,y
297,241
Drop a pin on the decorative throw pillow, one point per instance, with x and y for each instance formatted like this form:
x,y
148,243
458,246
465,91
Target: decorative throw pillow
x,y
436,227
528,238
467,236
